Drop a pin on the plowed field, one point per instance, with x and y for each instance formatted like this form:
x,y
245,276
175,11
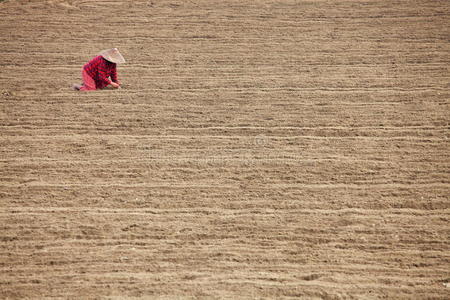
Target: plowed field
x,y
258,149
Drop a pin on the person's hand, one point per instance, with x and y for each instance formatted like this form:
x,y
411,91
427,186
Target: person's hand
x,y
115,85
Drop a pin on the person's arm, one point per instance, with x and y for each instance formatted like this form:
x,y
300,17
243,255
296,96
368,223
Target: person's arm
x,y
102,75
114,75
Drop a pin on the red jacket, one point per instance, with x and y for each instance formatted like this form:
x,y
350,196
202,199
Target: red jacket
x,y
100,69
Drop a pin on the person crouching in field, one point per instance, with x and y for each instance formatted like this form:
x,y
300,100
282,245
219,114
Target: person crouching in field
x,y
96,72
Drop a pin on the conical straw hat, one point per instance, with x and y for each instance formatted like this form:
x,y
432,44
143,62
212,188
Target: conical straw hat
x,y
113,55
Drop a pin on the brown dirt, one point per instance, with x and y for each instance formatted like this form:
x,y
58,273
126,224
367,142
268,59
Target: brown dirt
x,y
258,149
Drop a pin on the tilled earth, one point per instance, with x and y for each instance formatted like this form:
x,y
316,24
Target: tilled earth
x,y
257,149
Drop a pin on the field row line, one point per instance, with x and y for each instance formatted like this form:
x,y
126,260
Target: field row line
x,y
227,211
30,137
261,186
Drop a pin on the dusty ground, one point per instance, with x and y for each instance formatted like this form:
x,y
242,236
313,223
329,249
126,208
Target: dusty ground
x,y
258,149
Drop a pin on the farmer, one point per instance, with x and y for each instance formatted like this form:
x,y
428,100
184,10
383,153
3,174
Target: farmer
x,y
96,72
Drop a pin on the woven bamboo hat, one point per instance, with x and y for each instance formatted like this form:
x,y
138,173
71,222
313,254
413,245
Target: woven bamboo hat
x,y
113,55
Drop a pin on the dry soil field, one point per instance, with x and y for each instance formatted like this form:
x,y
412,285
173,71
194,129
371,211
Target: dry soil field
x,y
258,149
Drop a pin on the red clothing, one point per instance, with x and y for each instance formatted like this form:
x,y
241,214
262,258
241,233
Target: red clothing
x,y
100,69
88,82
